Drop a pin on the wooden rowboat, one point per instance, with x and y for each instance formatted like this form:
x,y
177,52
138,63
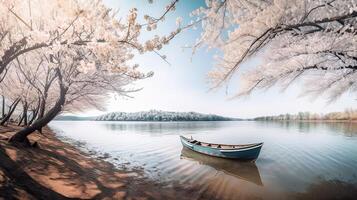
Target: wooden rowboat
x,y
241,152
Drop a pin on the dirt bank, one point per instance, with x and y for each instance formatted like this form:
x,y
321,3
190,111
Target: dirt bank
x,y
57,170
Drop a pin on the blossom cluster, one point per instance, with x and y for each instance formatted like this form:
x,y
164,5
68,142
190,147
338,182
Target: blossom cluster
x,y
294,39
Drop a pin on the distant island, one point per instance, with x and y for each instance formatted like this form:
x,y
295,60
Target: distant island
x,y
347,115
152,115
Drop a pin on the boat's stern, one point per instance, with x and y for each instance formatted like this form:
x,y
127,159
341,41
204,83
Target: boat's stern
x,y
250,153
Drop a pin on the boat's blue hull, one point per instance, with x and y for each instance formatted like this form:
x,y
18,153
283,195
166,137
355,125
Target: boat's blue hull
x,y
250,153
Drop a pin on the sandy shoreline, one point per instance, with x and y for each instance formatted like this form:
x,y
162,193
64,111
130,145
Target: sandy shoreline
x,y
57,170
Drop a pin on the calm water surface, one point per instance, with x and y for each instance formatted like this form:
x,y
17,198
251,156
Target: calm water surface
x,y
298,160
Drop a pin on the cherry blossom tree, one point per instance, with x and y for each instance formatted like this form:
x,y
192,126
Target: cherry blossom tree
x,y
15,90
311,40
70,55
39,24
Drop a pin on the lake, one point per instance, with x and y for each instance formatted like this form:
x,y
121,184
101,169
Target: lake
x,y
299,160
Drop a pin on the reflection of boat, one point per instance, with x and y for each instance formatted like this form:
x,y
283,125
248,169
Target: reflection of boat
x,y
247,171
243,152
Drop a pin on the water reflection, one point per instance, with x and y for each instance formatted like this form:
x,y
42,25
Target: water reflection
x,y
166,128
348,129
247,171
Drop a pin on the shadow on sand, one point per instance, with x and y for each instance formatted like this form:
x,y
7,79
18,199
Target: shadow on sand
x,y
57,170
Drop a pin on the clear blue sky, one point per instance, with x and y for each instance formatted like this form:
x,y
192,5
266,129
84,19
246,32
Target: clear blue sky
x,y
182,86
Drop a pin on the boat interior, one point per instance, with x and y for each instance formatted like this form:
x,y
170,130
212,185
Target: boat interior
x,y
220,146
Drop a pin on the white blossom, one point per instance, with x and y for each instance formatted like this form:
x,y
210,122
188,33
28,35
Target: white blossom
x,y
309,40
178,21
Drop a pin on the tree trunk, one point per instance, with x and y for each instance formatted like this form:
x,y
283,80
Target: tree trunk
x,y
25,114
33,116
43,102
3,107
35,112
42,108
21,136
11,110
21,118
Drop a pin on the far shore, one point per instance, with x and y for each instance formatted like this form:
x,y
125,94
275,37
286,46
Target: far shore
x,y
311,120
58,170
276,120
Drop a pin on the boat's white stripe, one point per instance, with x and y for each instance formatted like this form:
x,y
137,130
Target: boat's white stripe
x,y
234,150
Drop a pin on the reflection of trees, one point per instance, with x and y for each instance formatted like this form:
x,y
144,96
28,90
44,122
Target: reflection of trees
x,y
247,171
348,129
164,127
329,190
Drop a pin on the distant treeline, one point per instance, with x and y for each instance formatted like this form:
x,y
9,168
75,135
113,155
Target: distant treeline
x,y
157,115
348,114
